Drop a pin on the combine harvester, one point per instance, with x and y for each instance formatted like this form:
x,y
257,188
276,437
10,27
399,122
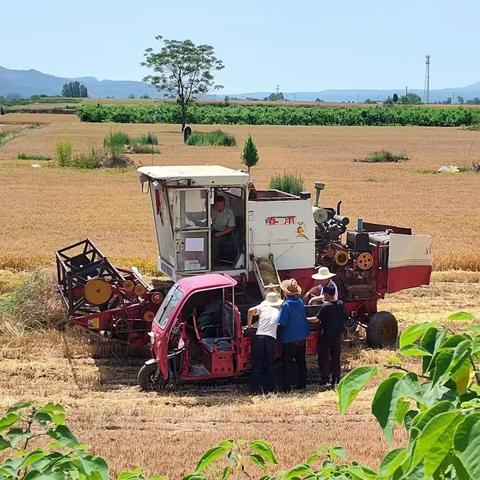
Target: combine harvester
x,y
277,236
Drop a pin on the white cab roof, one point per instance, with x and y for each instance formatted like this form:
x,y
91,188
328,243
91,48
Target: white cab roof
x,y
199,174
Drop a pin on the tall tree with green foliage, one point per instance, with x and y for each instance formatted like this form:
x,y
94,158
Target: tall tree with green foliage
x,y
182,69
411,99
75,90
249,154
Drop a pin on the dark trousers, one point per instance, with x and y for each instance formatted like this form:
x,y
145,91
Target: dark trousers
x,y
329,362
216,247
263,359
294,363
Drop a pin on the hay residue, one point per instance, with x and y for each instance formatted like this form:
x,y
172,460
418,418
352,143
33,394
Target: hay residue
x,y
267,271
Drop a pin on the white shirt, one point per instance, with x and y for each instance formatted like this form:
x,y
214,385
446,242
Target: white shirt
x,y
320,289
267,319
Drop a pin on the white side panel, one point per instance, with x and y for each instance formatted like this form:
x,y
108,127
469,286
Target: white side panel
x,y
409,250
284,229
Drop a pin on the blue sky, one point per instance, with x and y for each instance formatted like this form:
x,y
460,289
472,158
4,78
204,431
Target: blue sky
x,y
300,45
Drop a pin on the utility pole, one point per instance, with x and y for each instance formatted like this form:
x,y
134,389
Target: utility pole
x,y
426,92
278,89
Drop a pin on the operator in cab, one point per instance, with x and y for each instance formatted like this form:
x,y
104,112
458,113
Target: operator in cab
x,y
315,295
223,225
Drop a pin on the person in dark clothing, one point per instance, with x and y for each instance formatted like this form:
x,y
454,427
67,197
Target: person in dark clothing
x,y
293,333
331,317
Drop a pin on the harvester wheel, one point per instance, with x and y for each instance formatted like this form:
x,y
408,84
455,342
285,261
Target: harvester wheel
x,y
149,379
382,330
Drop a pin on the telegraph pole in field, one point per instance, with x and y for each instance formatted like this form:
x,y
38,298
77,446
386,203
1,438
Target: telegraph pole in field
x,y
426,92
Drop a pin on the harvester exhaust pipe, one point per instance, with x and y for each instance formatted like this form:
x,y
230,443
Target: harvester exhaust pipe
x,y
319,186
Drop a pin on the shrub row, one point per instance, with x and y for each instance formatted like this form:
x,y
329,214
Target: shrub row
x,y
280,115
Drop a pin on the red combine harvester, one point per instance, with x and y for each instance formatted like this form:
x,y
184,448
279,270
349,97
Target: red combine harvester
x,y
276,236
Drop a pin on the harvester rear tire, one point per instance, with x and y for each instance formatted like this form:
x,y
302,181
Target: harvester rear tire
x,y
382,330
146,378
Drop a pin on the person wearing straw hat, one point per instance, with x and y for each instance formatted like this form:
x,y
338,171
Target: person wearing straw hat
x,y
294,329
263,351
315,294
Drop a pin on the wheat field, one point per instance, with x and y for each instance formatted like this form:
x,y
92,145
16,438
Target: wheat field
x,y
46,208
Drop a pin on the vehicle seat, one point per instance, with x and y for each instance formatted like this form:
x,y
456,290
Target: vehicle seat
x,y
223,344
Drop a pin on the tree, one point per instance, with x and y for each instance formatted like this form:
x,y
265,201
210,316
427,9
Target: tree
x,y
74,90
249,154
395,98
131,96
182,69
83,91
410,99
460,99
273,97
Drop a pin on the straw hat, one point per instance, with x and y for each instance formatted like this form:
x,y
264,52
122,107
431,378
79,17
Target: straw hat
x,y
291,287
323,274
273,299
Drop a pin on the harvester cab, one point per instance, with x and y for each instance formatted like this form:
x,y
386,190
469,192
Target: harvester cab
x,y
267,223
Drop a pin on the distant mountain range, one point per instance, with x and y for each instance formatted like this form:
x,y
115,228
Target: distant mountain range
x,y
26,83
32,82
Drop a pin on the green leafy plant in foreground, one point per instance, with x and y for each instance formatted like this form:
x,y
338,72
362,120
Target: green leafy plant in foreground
x,y
438,406
59,457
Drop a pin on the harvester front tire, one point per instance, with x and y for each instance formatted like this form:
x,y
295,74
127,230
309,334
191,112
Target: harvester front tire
x,y
382,330
146,377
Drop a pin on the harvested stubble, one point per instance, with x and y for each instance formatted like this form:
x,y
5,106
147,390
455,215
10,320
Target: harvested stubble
x,y
107,410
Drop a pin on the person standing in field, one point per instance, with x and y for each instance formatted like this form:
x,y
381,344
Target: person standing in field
x,y
331,318
315,294
263,351
294,329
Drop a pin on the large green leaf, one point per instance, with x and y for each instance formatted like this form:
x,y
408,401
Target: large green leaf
x,y
56,412
429,342
422,419
441,363
263,449
391,462
467,444
476,345
209,457
461,317
436,441
413,333
298,472
414,350
351,384
8,420
384,406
